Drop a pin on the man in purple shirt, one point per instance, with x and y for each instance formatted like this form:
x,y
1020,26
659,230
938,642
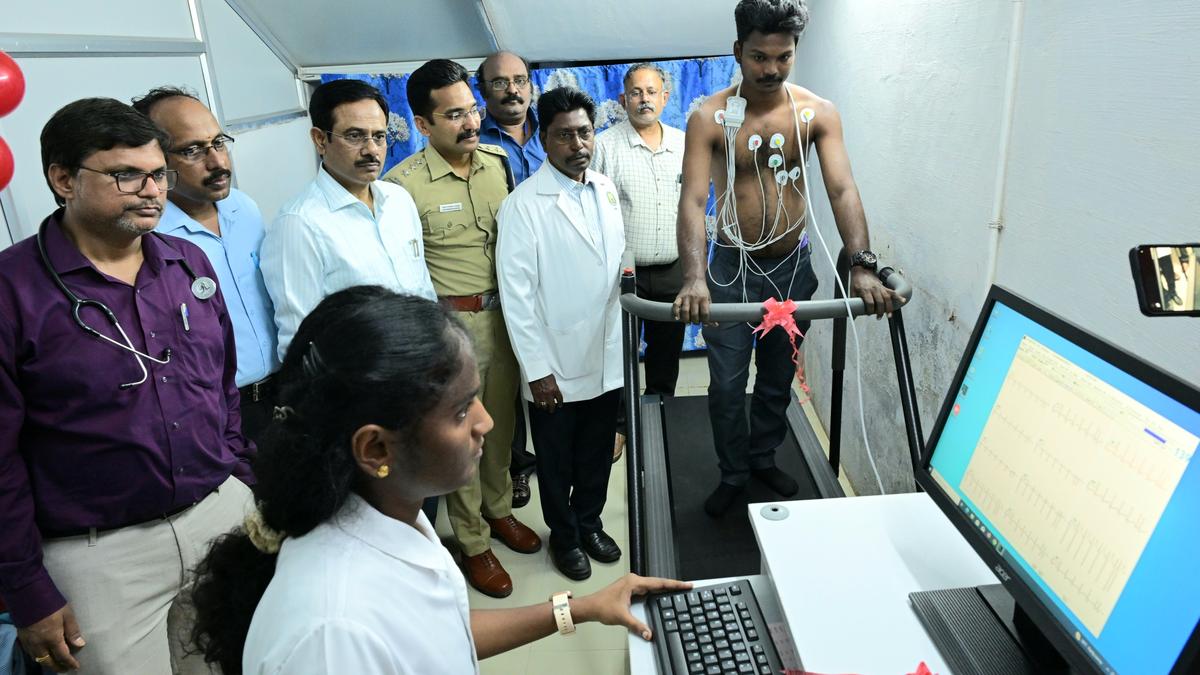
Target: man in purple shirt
x,y
121,454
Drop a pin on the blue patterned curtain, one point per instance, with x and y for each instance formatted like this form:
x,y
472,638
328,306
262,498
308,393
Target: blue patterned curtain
x,y
692,80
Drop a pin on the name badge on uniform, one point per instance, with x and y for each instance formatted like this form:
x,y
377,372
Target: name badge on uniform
x,y
612,199
450,208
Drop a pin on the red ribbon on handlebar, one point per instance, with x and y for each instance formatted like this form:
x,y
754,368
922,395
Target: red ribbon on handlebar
x,y
780,314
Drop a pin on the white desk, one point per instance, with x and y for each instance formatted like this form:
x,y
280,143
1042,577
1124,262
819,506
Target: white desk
x,y
843,569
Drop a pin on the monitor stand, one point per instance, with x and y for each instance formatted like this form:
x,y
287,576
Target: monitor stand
x,y
980,630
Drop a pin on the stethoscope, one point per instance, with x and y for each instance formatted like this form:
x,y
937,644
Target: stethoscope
x,y
202,287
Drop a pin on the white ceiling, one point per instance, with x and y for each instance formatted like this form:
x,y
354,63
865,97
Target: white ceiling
x,y
314,33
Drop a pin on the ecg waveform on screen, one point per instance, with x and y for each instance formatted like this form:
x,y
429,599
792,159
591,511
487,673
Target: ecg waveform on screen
x,y
1067,471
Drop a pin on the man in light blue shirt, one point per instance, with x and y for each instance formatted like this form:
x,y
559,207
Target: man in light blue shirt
x,y
207,211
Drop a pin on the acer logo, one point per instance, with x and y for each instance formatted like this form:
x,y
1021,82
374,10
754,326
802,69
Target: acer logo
x,y
1001,573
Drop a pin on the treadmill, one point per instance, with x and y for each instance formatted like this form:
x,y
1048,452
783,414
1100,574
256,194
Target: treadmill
x,y
678,540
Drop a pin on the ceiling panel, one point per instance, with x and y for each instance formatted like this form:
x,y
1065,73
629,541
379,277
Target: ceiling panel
x,y
309,33
552,30
315,33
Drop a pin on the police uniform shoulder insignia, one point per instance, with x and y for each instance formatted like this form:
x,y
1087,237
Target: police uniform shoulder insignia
x,y
493,149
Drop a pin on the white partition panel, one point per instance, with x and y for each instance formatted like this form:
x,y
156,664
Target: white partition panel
x,y
52,83
5,235
127,18
251,82
272,164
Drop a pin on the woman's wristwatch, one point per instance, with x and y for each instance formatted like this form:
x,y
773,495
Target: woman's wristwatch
x,y
562,612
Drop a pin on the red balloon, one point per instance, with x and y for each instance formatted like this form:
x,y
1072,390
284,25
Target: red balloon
x,y
6,164
12,84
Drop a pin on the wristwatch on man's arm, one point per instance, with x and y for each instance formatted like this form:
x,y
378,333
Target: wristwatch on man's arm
x,y
865,259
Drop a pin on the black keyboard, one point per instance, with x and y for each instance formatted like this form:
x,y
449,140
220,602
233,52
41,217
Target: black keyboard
x,y
712,631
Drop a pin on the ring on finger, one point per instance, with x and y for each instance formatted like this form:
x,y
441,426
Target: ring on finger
x,y
43,658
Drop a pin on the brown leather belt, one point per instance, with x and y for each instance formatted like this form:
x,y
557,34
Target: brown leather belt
x,y
471,303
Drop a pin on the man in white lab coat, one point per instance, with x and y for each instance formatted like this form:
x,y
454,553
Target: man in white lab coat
x,y
558,260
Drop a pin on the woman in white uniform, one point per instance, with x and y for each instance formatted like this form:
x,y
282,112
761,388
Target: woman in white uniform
x,y
338,571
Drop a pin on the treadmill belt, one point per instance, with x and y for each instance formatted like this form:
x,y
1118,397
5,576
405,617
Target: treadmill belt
x,y
707,547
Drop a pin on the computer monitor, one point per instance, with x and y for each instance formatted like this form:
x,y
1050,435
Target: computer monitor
x,y
1070,466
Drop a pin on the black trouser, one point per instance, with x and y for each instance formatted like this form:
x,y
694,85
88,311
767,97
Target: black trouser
x,y
664,339
522,462
257,408
574,457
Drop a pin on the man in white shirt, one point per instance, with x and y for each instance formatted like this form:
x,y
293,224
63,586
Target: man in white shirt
x,y
644,158
347,228
558,259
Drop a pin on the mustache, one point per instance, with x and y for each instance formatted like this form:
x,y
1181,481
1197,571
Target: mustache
x,y
584,155
147,204
645,107
372,159
512,98
217,175
770,79
466,135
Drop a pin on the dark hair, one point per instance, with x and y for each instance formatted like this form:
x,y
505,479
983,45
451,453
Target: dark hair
x,y
434,74
480,84
92,125
365,355
327,97
658,70
562,100
770,16
144,104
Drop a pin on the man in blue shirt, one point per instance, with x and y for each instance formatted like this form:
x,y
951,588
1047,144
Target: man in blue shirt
x,y
503,81
206,210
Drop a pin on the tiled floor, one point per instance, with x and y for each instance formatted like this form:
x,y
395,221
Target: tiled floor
x,y
594,649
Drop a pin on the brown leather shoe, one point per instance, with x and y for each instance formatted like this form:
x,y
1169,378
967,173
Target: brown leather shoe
x,y
515,535
487,575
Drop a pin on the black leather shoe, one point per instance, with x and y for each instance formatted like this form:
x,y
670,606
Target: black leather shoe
x,y
572,562
601,547
521,492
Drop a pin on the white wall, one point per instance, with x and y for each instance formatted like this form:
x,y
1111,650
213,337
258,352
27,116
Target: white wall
x,y
1103,155
76,48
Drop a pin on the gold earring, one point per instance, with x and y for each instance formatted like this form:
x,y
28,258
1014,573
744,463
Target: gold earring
x,y
383,471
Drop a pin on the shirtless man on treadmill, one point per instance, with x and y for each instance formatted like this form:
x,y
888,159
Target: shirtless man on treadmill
x,y
762,255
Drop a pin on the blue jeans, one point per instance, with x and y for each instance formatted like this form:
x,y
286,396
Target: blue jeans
x,y
743,444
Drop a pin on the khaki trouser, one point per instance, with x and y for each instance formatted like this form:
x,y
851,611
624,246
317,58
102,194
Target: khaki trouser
x,y
124,585
490,492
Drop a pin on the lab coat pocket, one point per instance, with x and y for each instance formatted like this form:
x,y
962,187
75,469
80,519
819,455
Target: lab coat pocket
x,y
576,348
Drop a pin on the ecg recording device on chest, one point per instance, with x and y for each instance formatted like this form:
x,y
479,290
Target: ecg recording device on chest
x,y
735,112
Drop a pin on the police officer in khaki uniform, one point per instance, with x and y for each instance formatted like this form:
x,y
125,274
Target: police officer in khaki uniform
x,y
458,185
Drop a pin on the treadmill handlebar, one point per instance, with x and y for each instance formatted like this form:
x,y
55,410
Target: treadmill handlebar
x,y
753,311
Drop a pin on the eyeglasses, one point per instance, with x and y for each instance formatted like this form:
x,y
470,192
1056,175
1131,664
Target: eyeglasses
x,y
565,137
460,115
195,153
133,182
357,139
501,83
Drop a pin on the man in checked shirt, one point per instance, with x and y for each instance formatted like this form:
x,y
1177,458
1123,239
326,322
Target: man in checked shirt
x,y
644,158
